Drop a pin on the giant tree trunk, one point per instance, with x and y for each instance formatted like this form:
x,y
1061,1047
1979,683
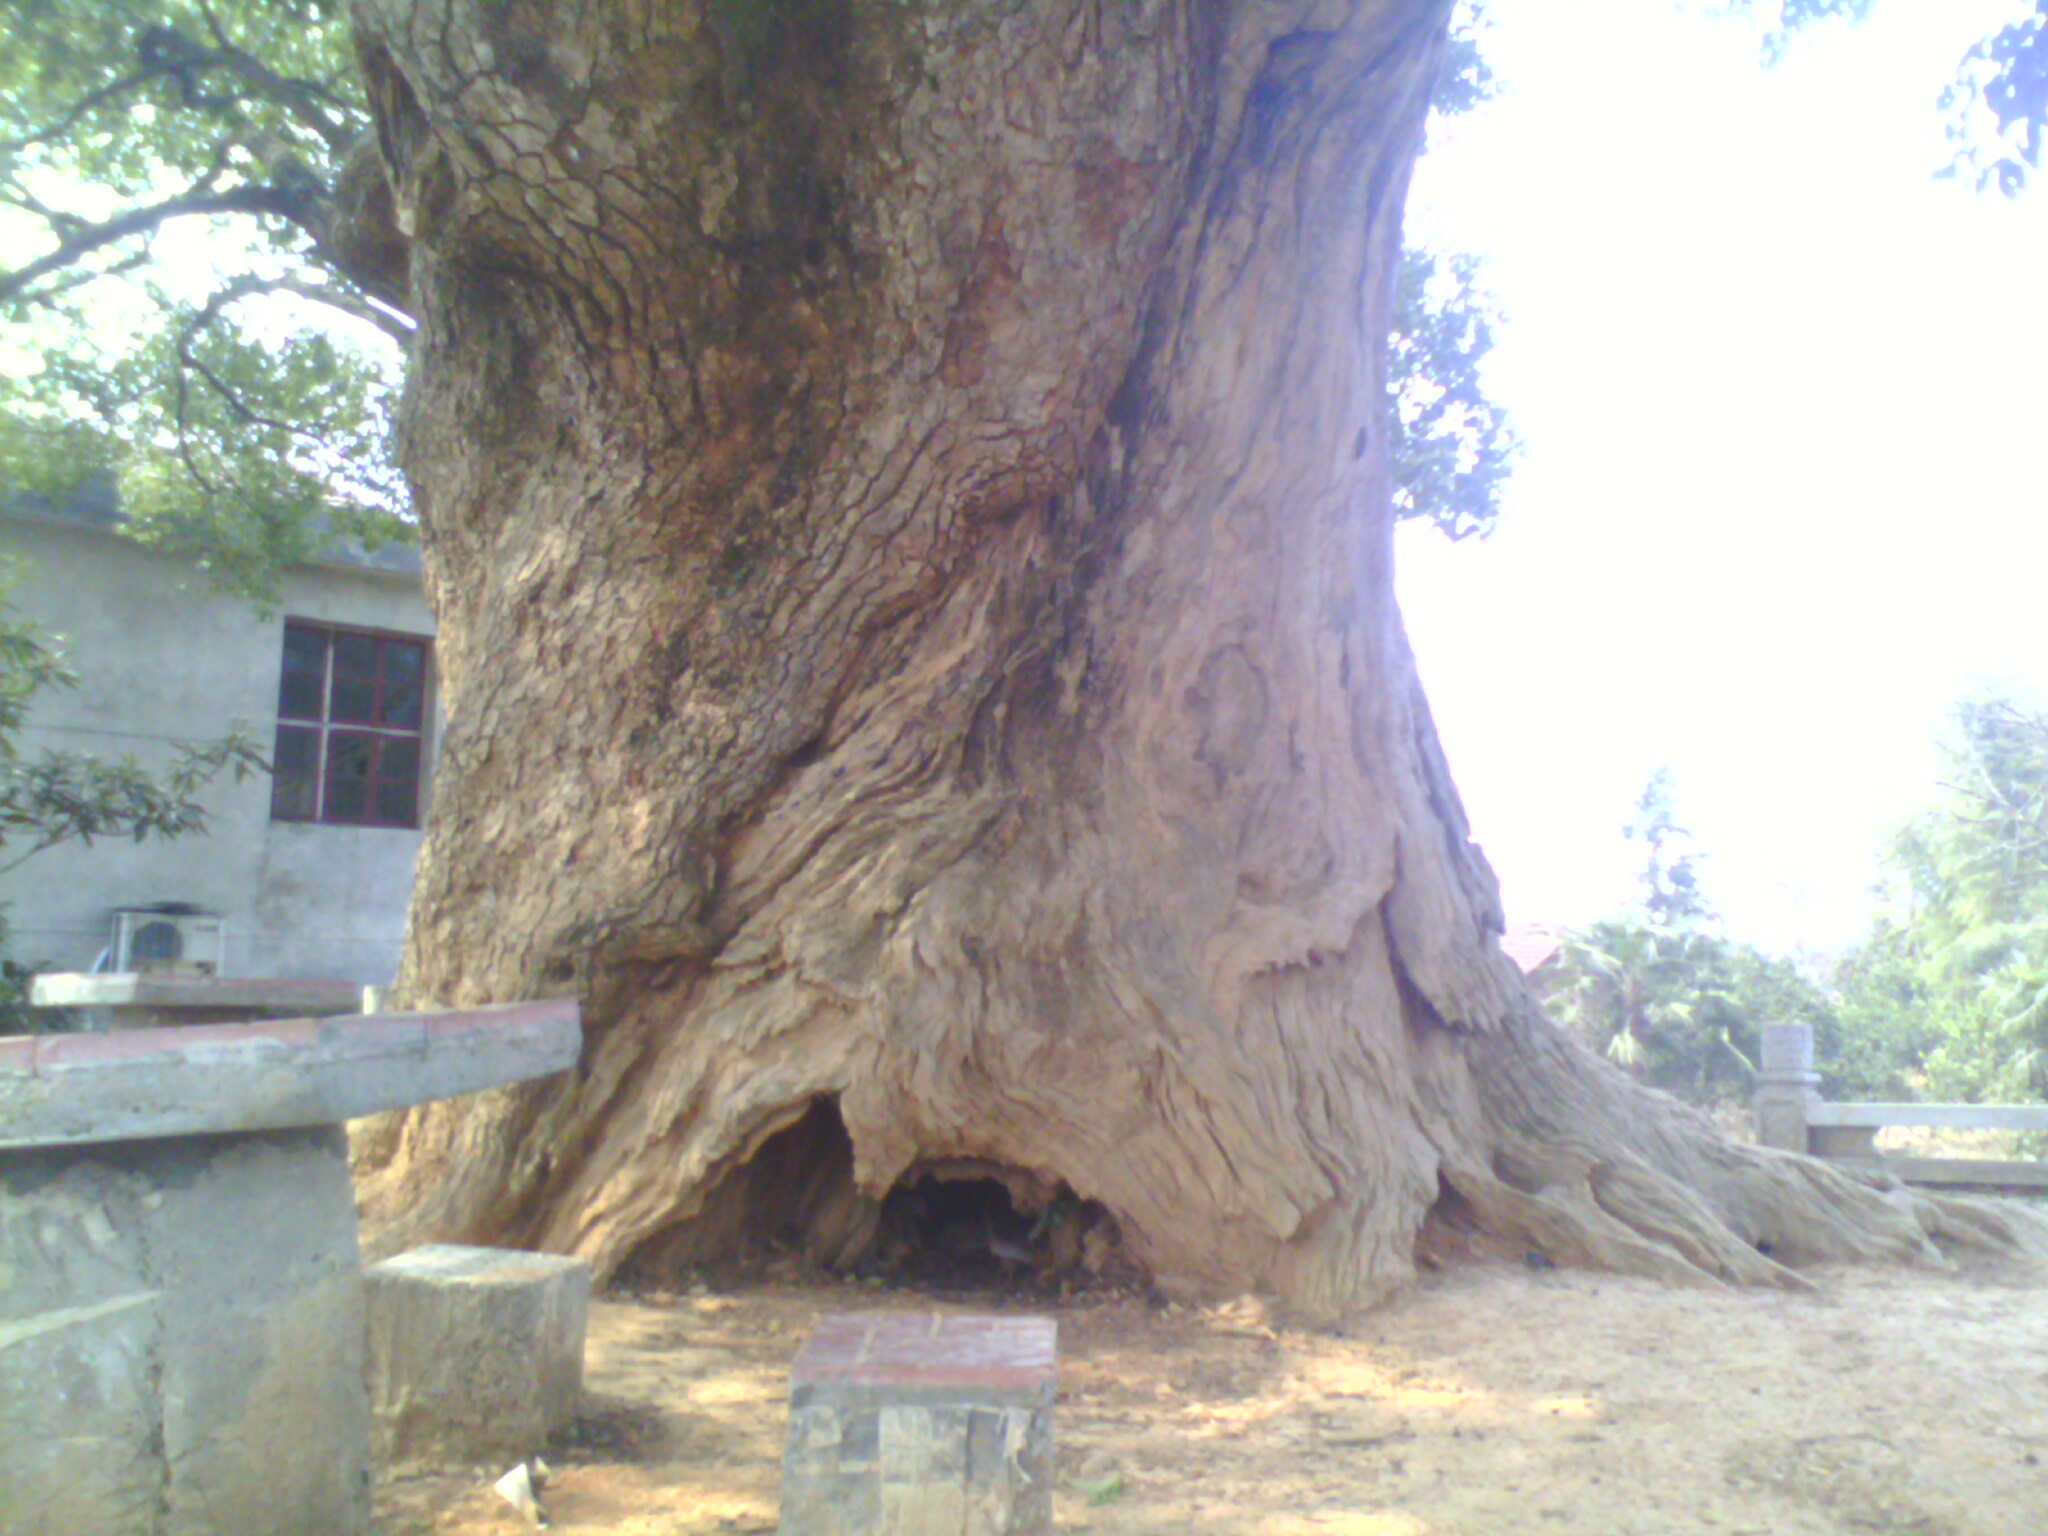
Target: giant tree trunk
x,y
905,497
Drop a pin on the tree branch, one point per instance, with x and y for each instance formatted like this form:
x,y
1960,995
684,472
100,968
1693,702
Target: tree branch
x,y
241,288
86,103
79,239
177,55
353,301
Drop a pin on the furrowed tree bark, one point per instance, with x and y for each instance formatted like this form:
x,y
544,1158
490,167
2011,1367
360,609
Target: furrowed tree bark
x,y
906,502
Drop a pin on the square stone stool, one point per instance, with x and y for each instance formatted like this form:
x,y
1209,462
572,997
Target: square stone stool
x,y
921,1425
476,1354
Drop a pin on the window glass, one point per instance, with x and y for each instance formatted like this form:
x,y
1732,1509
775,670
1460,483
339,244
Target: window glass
x,y
349,757
398,780
405,684
398,802
295,777
354,696
400,758
298,752
301,689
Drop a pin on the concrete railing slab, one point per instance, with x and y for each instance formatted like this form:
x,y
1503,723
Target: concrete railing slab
x,y
128,1085
281,997
1963,1117
1969,1172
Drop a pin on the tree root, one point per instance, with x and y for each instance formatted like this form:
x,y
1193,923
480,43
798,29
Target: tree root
x,y
1594,1171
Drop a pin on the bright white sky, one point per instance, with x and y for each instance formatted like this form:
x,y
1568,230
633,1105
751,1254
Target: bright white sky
x,y
1786,419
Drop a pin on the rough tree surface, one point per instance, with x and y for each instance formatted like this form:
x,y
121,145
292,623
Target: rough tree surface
x,y
906,502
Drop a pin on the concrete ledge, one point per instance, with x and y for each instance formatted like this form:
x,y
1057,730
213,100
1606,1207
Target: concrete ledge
x,y
1973,1172
1961,1117
129,1085
276,997
475,1354
1844,1143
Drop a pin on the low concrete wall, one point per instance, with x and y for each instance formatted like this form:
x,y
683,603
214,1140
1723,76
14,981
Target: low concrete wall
x,y
181,1340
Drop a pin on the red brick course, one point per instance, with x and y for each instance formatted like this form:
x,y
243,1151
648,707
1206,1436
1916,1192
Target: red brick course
x,y
928,1349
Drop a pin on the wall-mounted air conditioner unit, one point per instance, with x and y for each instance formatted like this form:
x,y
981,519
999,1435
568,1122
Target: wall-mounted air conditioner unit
x,y
169,939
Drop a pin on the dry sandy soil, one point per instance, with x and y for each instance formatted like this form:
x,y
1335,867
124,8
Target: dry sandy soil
x,y
1493,1399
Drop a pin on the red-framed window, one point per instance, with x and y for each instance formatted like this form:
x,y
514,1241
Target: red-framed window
x,y
351,723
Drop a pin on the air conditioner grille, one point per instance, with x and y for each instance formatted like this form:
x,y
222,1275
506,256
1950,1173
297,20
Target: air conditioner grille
x,y
158,942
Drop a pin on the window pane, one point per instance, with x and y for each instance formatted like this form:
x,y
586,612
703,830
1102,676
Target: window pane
x,y
399,761
298,752
348,776
398,779
301,688
354,698
405,684
295,776
398,802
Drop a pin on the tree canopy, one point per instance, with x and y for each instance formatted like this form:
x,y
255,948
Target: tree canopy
x,y
243,413
242,404
2003,76
1665,993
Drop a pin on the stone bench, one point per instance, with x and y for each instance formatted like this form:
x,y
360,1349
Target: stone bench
x,y
921,1425
181,1292
476,1354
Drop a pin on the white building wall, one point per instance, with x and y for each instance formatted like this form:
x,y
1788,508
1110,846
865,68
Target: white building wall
x,y
162,660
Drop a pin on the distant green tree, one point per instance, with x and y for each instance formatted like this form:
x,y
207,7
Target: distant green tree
x,y
1685,1012
1885,1029
1970,933
1647,987
1670,887
1665,995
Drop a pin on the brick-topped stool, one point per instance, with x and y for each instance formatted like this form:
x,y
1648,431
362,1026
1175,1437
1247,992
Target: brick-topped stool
x,y
921,1425
476,1354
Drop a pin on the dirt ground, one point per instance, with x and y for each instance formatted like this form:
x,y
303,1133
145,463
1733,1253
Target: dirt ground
x,y
1493,1399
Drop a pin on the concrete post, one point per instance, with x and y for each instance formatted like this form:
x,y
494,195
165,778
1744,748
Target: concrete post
x,y
1785,1086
